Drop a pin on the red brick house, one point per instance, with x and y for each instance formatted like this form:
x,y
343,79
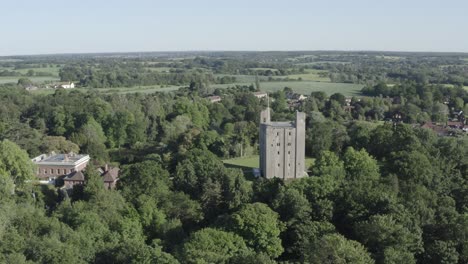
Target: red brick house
x,y
52,166
74,178
110,176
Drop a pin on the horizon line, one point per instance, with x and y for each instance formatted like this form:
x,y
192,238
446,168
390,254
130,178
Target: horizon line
x,y
205,51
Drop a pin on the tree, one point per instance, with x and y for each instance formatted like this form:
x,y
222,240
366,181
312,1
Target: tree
x,y
94,183
257,82
211,246
291,204
15,166
59,145
133,252
385,238
336,249
91,139
259,226
24,82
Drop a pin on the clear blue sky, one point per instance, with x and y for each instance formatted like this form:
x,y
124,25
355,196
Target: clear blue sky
x,y
78,26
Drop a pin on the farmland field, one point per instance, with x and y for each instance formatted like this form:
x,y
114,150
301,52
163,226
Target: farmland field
x,y
304,87
311,75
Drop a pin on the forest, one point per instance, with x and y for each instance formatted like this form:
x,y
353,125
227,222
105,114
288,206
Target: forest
x,y
381,189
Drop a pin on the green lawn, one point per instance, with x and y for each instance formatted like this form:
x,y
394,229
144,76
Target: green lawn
x,y
253,162
305,87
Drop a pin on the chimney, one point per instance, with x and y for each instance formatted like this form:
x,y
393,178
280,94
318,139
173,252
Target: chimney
x,y
106,167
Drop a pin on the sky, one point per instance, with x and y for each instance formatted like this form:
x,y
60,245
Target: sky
x,y
88,26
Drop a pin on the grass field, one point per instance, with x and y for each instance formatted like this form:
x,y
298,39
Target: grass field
x,y
264,69
244,79
304,87
119,90
53,70
34,79
311,75
253,162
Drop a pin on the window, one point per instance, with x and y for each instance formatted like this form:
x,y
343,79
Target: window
x,y
278,144
45,171
289,132
264,120
278,152
289,152
289,144
51,171
279,165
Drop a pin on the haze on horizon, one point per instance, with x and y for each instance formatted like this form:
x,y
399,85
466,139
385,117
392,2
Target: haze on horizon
x,y
53,26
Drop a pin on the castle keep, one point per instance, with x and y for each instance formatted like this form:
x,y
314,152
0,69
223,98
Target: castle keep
x,y
282,147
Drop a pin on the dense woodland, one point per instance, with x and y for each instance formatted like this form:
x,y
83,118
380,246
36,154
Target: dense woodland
x,y
381,189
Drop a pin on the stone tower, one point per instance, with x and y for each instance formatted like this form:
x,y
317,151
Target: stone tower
x,y
282,147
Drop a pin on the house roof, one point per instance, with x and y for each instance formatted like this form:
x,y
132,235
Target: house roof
x,y
75,176
61,159
454,123
111,175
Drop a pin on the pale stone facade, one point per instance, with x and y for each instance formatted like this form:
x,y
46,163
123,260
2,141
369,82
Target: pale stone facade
x,y
282,147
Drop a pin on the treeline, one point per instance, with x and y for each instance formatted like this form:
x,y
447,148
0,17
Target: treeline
x,y
372,72
100,77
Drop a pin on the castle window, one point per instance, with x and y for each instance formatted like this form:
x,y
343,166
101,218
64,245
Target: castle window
x,y
277,133
277,144
289,132
278,152
279,164
51,171
264,120
289,144
289,152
